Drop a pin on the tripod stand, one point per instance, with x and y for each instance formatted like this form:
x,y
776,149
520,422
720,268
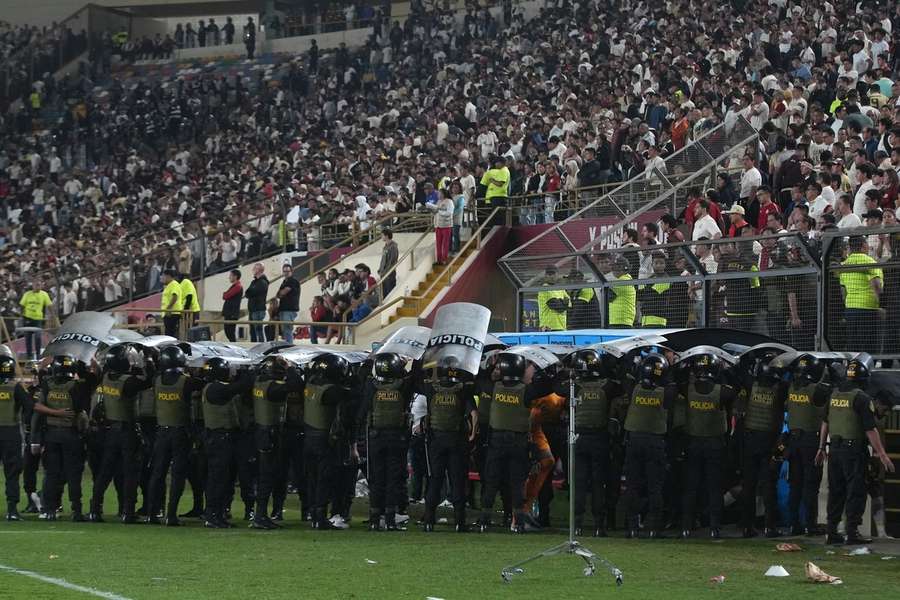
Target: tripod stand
x,y
570,546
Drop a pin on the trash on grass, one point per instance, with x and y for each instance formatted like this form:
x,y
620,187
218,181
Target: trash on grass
x,y
830,552
54,556
888,557
777,571
717,579
860,551
433,598
369,561
817,575
788,548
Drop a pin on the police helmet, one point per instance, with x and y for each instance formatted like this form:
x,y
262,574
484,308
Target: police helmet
x,y
121,359
274,367
764,370
808,368
860,367
653,369
7,368
171,358
217,369
448,371
62,367
511,366
389,366
707,367
330,368
587,363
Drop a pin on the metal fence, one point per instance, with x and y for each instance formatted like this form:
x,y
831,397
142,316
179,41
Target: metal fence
x,y
838,292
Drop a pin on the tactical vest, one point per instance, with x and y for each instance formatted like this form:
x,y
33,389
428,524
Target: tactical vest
x,y
118,407
265,412
219,416
59,397
316,414
146,404
592,411
9,416
445,408
802,413
647,412
843,420
508,410
484,408
705,417
197,406
244,409
294,414
171,408
760,413
388,406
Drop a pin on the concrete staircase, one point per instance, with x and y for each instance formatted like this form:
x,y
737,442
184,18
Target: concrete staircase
x,y
438,278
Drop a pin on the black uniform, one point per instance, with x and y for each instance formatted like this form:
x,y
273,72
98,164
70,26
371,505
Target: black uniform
x,y
121,446
290,459
322,405
448,448
762,409
850,413
173,391
384,413
645,452
806,410
595,406
706,406
220,416
31,462
63,443
13,400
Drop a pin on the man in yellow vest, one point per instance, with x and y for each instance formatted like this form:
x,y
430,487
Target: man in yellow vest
x,y
552,304
34,303
189,299
622,298
496,182
172,302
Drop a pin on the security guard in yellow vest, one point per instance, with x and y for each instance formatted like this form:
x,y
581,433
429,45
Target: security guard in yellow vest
x,y
172,391
451,399
806,400
290,459
507,459
654,298
761,414
707,402
383,421
646,425
118,393
269,407
850,419
64,401
222,423
595,390
553,305
13,399
327,389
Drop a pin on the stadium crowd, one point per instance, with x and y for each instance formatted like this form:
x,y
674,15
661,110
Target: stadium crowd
x,y
584,94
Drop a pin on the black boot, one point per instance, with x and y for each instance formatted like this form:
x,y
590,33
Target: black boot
x,y
195,512
390,521
771,532
95,517
600,532
748,533
321,521
632,534
12,512
684,535
715,533
854,538
428,527
460,518
172,521
262,522
153,520
484,523
655,534
833,538
129,518
31,508
278,510
375,520
520,523
248,513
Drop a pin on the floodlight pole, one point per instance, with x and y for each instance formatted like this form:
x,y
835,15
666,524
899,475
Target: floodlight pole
x,y
570,546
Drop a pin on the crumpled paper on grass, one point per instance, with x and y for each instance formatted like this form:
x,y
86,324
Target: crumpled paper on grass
x,y
788,548
817,575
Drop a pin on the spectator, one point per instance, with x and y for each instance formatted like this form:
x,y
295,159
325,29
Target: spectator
x,y
364,275
172,302
766,206
35,305
390,253
737,225
704,225
256,302
459,208
318,313
670,229
361,308
231,308
443,227
69,301
271,331
847,218
288,302
861,289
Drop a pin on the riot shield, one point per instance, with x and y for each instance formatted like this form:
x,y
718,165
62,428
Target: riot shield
x,y
81,336
458,334
707,350
540,356
409,342
199,352
620,348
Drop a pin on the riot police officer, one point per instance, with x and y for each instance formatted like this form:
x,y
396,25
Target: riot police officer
x,y
646,424
805,410
595,390
507,457
220,417
269,404
65,399
172,391
119,390
450,398
706,403
290,446
761,410
850,419
383,417
327,388
13,400
32,421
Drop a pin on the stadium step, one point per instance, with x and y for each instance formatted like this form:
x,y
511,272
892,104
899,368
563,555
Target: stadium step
x,y
437,279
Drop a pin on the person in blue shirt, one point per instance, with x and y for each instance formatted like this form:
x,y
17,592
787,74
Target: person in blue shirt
x,y
459,207
800,70
362,308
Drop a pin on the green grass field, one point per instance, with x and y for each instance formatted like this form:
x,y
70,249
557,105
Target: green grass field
x,y
147,562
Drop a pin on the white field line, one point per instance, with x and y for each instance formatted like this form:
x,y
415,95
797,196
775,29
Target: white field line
x,y
63,583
